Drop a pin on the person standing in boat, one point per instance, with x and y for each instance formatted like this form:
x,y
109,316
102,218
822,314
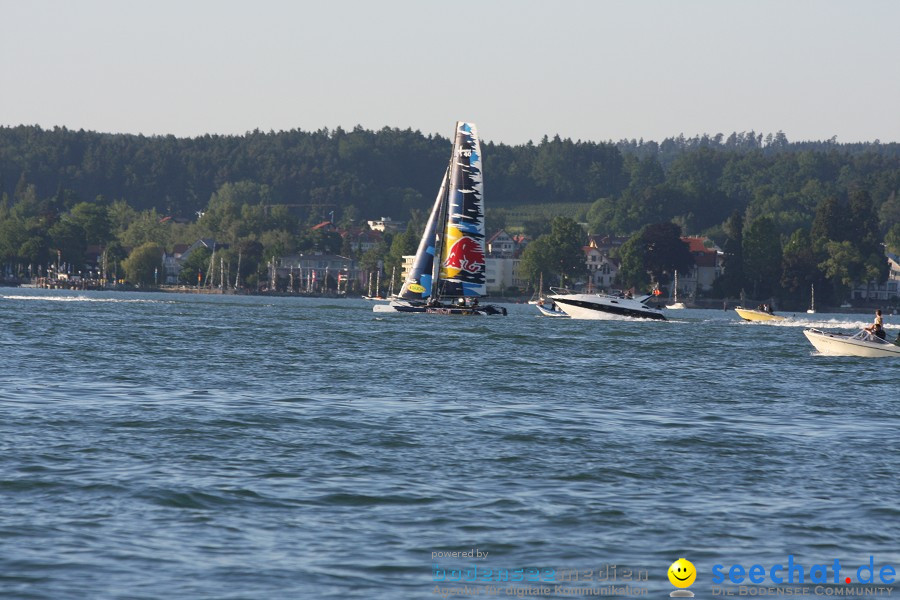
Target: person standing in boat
x,y
877,328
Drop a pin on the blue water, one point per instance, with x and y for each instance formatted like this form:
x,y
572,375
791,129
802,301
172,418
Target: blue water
x,y
177,446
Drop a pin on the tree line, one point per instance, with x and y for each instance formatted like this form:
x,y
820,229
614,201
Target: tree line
x,y
815,212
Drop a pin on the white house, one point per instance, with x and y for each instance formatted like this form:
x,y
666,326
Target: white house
x,y
889,290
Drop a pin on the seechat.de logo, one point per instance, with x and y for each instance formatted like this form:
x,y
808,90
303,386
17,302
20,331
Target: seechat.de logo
x,y
792,572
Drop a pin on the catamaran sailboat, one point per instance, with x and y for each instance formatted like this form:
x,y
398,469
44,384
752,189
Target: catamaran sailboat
x,y
452,284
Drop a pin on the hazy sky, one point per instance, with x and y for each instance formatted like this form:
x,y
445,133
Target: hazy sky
x,y
593,70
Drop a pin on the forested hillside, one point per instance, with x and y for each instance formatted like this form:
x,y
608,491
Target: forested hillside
x,y
696,181
788,214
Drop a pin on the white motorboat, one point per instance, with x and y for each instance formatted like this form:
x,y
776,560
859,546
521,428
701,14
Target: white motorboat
x,y
859,344
604,306
551,311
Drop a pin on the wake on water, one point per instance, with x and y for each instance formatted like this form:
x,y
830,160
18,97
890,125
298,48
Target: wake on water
x,y
82,299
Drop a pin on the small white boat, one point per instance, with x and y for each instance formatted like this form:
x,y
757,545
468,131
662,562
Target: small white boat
x,y
551,311
538,297
812,300
603,306
860,344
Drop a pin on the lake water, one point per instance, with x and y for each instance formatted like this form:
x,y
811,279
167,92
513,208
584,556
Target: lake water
x,y
178,446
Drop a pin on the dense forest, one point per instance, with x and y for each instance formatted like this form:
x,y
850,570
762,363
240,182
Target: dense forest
x,y
722,186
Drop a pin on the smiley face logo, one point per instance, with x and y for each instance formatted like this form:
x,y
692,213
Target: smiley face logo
x,y
682,573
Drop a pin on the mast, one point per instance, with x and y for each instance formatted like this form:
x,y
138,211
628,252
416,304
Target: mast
x,y
393,271
675,296
238,274
439,237
211,265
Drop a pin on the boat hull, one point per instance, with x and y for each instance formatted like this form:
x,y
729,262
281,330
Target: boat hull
x,y
676,306
405,307
749,314
608,308
838,344
549,312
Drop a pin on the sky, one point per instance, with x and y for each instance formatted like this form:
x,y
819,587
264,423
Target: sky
x,y
520,69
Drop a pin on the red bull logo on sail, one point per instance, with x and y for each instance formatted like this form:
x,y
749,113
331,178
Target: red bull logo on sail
x,y
465,255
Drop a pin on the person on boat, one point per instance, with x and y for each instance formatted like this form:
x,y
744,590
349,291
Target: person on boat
x,y
877,327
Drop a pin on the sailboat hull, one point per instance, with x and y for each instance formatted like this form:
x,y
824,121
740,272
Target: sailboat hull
x,y
399,306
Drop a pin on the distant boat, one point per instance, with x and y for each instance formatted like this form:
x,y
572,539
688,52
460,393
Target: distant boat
x,y
846,305
454,235
377,296
749,314
812,300
860,344
675,303
551,311
538,296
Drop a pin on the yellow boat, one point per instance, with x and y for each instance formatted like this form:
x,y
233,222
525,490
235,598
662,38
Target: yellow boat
x,y
749,314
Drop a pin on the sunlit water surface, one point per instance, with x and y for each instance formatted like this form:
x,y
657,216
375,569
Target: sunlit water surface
x,y
162,445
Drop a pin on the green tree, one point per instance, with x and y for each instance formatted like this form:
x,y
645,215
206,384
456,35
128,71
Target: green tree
x,y
494,220
536,227
632,268
799,266
537,258
68,238
196,263
148,227
556,254
732,280
402,244
655,250
144,264
277,243
828,224
567,237
891,240
665,251
120,216
889,212
93,219
843,265
762,256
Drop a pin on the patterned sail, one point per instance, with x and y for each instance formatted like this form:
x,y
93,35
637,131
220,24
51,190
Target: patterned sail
x,y
463,248
417,285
